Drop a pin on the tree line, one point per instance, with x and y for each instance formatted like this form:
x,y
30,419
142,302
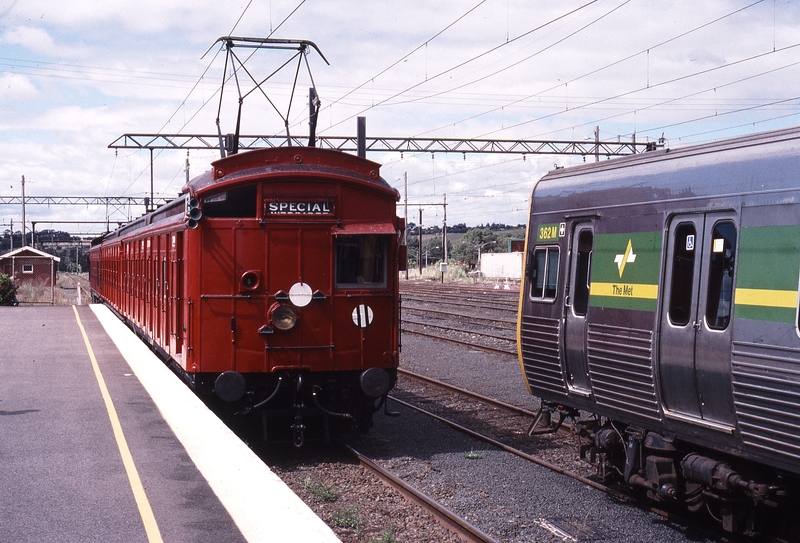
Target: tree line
x,y
466,250
460,228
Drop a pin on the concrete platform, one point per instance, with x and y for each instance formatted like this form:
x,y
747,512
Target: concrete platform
x,y
99,441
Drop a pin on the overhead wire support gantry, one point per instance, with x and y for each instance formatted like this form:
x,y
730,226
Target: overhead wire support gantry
x,y
391,144
80,200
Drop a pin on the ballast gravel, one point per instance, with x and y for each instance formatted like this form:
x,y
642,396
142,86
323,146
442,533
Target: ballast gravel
x,y
505,496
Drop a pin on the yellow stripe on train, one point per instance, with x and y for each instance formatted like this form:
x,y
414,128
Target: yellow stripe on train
x,y
766,297
625,290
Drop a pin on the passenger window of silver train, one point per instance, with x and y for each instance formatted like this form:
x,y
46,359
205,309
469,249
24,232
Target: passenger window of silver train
x,y
720,275
361,261
543,274
582,273
680,301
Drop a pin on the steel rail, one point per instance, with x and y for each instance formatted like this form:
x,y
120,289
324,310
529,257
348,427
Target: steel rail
x,y
469,393
442,514
459,289
588,482
510,449
499,296
450,328
450,314
506,306
465,343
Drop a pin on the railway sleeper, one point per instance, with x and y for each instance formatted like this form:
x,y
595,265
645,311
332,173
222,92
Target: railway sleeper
x,y
741,497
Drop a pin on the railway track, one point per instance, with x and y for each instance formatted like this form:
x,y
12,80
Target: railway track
x,y
469,329
466,412
461,330
462,301
472,344
444,516
503,324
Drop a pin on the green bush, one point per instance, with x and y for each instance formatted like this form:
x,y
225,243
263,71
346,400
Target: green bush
x,y
8,292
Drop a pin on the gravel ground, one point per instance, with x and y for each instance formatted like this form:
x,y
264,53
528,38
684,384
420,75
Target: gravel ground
x,y
504,495
507,497
352,501
495,375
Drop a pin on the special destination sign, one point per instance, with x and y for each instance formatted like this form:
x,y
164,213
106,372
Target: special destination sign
x,y
298,207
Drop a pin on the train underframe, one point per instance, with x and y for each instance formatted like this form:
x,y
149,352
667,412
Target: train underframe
x,y
297,406
742,496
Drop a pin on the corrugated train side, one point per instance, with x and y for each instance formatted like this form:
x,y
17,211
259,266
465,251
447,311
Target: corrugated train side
x,y
661,294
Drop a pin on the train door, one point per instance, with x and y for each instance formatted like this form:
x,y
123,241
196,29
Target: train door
x,y
175,293
163,315
695,337
577,303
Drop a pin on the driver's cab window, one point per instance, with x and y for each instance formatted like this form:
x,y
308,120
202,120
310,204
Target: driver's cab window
x,y
361,261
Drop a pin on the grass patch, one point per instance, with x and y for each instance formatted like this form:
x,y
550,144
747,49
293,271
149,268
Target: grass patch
x,y
472,455
322,492
347,517
387,536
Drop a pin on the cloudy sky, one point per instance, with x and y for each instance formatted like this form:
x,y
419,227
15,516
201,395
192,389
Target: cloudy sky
x,y
75,76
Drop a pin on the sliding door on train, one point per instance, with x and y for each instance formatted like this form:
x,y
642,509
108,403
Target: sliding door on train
x,y
695,332
577,304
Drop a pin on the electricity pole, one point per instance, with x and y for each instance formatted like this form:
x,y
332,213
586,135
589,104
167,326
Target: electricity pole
x,y
23,212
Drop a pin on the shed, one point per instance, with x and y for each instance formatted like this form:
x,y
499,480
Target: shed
x,y
30,266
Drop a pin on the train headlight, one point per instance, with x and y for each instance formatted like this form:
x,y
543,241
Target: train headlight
x,y
283,317
375,382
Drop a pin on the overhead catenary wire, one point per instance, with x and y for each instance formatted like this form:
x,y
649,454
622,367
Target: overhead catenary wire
x,y
591,72
761,103
202,76
464,63
668,82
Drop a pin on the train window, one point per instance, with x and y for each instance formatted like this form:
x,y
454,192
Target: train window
x,y
581,302
543,274
680,301
361,261
720,275
236,203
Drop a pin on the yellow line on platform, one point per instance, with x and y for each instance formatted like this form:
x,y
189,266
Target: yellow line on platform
x,y
146,512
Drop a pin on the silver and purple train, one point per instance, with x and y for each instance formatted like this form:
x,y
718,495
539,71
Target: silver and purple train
x,y
660,294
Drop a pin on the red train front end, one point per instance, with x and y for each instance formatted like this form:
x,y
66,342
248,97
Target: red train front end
x,y
284,291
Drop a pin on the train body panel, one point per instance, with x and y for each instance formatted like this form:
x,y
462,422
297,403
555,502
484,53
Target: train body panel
x,y
661,291
277,263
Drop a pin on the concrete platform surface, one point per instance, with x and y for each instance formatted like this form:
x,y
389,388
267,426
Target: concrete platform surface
x,y
99,441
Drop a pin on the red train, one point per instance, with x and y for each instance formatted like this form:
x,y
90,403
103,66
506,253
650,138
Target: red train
x,y
270,285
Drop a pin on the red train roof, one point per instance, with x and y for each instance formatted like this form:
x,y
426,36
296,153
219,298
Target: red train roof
x,y
290,161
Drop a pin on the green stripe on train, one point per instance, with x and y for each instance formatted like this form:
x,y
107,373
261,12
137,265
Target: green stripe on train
x,y
769,260
625,270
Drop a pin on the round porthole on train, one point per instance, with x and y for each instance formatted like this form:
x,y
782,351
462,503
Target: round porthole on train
x,y
251,280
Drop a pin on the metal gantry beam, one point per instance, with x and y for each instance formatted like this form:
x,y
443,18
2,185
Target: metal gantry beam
x,y
81,200
397,145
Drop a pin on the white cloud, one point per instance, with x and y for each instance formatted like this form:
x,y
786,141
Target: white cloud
x,y
16,87
78,77
33,39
